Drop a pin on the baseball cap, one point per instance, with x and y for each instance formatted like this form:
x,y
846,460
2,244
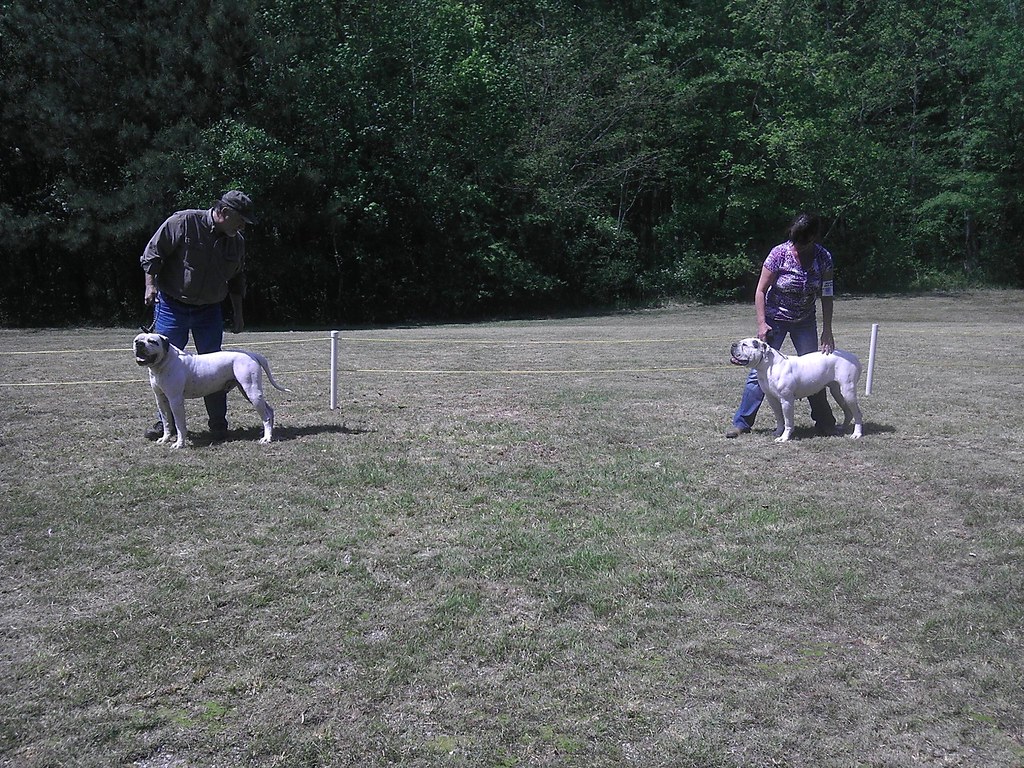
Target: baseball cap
x,y
239,202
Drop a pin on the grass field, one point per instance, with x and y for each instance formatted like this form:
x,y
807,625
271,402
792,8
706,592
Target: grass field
x,y
519,544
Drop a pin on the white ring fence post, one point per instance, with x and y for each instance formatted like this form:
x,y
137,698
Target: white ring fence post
x,y
334,370
871,359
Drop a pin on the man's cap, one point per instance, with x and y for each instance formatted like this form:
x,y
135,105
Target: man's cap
x,y
239,202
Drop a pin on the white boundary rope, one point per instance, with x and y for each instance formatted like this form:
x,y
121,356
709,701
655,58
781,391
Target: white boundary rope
x,y
431,372
333,370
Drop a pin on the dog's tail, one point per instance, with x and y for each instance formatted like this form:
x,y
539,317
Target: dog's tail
x,y
265,365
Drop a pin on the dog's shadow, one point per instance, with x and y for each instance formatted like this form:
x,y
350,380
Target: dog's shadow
x,y
283,434
873,428
804,432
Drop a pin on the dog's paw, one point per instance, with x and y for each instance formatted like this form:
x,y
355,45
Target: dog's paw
x,y
264,440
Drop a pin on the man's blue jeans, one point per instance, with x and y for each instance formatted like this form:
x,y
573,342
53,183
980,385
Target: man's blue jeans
x,y
175,320
805,339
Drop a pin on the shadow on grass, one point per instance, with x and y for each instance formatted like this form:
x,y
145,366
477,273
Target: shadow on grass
x,y
871,428
293,433
284,434
808,433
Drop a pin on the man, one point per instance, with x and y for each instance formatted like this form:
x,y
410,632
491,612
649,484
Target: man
x,y
194,260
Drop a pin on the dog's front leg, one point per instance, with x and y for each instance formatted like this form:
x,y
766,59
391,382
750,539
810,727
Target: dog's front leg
x,y
783,419
177,407
163,406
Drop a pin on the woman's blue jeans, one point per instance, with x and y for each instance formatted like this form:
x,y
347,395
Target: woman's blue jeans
x,y
175,320
805,339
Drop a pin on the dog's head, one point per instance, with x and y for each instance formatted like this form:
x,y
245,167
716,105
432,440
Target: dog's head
x,y
749,352
151,348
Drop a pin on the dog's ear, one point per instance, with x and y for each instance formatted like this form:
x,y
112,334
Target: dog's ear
x,y
165,343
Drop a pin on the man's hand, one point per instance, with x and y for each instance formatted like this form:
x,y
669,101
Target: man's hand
x,y
149,298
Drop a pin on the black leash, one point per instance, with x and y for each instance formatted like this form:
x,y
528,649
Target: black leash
x,y
149,328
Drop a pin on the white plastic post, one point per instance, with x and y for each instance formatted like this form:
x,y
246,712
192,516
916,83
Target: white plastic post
x,y
334,370
871,358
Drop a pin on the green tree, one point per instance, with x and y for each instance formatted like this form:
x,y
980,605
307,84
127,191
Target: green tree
x,y
416,158
96,109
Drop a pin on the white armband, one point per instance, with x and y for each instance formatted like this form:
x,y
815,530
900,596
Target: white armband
x,y
826,288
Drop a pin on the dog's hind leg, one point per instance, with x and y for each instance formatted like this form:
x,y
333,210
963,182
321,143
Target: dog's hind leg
x,y
847,400
255,396
858,417
267,414
837,395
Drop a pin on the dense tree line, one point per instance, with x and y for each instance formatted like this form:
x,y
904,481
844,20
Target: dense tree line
x,y
453,158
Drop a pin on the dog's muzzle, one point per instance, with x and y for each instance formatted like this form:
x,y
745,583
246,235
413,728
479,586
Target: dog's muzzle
x,y
141,356
747,352
737,359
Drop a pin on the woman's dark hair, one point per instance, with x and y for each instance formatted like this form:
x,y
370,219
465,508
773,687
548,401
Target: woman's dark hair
x,y
805,228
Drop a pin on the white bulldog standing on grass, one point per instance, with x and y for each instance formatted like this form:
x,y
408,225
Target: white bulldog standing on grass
x,y
176,376
785,379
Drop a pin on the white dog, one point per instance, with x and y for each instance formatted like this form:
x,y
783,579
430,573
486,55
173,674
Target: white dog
x,y
785,379
176,376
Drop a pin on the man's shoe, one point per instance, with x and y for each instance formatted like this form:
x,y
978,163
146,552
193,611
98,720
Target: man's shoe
x,y
735,431
833,431
218,435
154,432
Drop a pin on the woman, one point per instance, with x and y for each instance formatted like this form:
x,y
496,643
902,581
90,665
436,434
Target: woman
x,y
794,275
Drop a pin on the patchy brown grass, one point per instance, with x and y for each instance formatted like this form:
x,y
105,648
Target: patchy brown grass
x,y
519,543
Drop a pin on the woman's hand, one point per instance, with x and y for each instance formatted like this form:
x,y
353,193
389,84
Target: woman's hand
x,y
828,344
